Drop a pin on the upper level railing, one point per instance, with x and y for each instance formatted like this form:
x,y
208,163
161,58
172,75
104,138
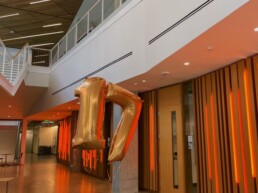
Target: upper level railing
x,y
91,19
11,67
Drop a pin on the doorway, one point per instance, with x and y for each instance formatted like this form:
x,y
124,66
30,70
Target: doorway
x,y
176,139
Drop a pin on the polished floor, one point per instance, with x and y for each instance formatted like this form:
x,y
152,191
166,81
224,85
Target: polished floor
x,y
41,174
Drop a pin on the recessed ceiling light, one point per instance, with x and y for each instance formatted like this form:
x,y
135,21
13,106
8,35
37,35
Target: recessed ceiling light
x,y
165,73
69,107
256,29
35,2
210,48
52,25
187,63
31,36
11,32
8,116
9,106
78,103
9,15
58,113
38,45
136,83
143,81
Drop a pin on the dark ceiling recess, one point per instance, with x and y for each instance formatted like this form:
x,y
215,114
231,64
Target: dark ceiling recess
x,y
32,18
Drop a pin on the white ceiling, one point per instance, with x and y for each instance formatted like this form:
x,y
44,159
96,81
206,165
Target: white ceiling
x,y
228,41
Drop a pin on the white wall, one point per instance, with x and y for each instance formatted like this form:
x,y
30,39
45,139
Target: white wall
x,y
46,135
29,141
130,30
8,135
35,141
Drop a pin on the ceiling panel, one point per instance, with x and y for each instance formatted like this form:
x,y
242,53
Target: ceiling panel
x,y
32,18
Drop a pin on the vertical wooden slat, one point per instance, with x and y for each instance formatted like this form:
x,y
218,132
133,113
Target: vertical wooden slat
x,y
235,88
255,87
148,156
225,133
210,134
206,166
219,108
200,180
246,162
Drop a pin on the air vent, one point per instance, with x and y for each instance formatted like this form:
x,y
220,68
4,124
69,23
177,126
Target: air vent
x,y
180,21
96,71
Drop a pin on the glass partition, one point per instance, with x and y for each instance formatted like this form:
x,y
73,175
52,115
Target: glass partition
x,y
95,16
110,6
82,28
96,12
174,149
71,39
62,47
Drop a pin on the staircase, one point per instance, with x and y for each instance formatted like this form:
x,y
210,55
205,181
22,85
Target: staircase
x,y
12,67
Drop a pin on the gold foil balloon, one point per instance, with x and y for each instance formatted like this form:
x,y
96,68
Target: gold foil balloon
x,y
131,105
89,133
93,93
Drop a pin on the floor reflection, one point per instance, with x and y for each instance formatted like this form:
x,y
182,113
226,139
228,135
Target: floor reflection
x,y
41,174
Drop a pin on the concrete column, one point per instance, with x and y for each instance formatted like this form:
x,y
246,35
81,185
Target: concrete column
x,y
125,173
23,140
75,154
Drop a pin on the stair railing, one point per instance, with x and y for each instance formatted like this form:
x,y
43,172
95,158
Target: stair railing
x,y
12,67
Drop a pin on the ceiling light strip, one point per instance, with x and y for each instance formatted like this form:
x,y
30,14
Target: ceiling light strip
x,y
39,62
31,36
52,25
36,2
37,45
9,15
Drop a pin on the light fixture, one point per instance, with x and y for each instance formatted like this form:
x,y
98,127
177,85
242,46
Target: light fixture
x,y
42,55
9,15
187,63
143,81
256,29
136,83
165,73
31,36
8,116
10,106
39,62
52,25
78,103
37,45
209,48
35,2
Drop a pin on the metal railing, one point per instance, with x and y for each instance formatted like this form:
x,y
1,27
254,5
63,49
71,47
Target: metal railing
x,y
91,19
12,67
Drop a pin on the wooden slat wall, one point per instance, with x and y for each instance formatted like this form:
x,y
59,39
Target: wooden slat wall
x,y
226,110
148,148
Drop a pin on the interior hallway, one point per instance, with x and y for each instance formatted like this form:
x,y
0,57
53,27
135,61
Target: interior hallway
x,y
42,174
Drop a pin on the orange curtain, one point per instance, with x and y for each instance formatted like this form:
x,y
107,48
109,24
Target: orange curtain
x,y
64,137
